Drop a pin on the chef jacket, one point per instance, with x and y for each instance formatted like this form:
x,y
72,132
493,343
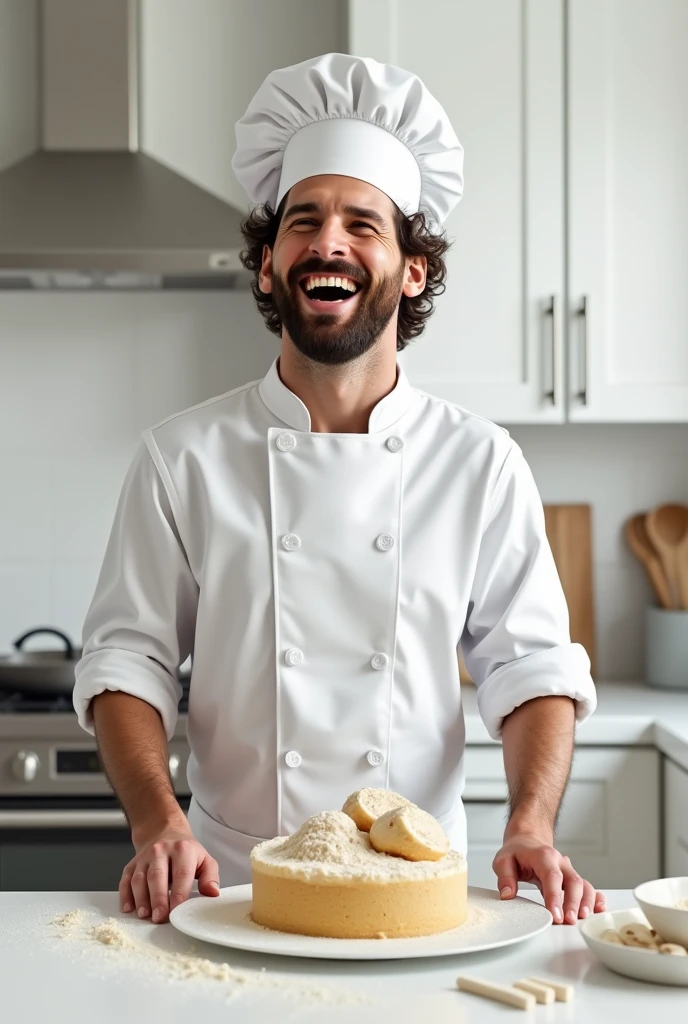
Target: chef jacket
x,y
322,583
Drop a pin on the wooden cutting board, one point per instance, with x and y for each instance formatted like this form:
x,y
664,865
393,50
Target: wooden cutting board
x,y
569,533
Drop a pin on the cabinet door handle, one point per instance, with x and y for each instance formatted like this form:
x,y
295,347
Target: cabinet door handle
x,y
550,313
582,314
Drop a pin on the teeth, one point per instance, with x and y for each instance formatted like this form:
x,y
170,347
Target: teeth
x,y
330,282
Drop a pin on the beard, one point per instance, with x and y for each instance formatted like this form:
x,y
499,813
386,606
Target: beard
x,y
324,337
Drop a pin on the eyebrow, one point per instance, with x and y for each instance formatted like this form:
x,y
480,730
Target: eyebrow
x,y
353,211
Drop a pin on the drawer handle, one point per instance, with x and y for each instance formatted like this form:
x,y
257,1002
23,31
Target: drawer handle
x,y
62,819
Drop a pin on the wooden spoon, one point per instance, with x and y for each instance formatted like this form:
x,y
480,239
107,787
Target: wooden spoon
x,y
667,528
641,546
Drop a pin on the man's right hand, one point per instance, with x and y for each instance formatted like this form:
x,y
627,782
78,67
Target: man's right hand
x,y
162,873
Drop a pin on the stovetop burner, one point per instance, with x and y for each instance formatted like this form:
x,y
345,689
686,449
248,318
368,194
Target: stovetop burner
x,y
12,702
15,702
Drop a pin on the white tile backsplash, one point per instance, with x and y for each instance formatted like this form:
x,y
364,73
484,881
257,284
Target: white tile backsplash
x,y
84,487
621,594
66,372
619,469
82,375
26,506
72,585
25,598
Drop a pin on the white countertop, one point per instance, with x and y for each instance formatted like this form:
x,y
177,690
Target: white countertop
x,y
47,978
628,714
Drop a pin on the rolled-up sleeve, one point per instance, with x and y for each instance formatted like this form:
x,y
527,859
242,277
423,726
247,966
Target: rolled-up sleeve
x,y
140,625
516,642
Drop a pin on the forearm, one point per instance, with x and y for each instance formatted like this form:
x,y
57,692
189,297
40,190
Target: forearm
x,y
133,749
537,740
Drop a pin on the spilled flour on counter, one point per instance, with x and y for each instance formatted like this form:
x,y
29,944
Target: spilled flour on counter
x,y
70,923
77,926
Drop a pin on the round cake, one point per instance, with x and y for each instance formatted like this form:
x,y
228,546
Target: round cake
x,y
327,880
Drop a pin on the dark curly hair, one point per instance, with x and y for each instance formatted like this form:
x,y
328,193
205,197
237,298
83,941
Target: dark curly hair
x,y
414,239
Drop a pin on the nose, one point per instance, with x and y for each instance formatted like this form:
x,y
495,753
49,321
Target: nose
x,y
330,240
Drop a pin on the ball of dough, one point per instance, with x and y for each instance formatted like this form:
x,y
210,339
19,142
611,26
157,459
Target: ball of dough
x,y
673,949
638,935
611,936
410,833
365,805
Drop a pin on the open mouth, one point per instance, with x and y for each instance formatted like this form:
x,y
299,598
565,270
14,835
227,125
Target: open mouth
x,y
324,291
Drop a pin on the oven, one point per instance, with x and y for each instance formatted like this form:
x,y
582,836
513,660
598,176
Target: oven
x,y
49,844
61,827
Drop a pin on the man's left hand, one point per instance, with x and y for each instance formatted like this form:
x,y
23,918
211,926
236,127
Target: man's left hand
x,y
528,858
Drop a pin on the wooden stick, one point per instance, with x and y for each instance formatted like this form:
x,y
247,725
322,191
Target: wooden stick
x,y
500,993
543,993
564,993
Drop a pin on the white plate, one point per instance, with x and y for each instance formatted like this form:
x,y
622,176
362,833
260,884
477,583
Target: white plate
x,y
634,963
492,922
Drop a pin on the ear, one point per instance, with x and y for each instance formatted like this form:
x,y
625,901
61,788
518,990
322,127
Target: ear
x,y
265,275
415,276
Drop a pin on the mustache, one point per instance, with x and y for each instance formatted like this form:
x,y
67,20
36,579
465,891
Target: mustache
x,y
334,268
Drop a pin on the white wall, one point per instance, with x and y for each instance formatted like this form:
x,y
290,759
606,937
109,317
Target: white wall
x,y
19,119
81,376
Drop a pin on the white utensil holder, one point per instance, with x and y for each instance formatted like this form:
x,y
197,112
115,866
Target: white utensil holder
x,y
666,648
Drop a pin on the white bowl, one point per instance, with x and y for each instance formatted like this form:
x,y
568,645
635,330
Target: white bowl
x,y
634,963
658,901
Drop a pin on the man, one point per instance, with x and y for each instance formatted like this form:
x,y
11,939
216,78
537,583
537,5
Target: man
x,y
321,540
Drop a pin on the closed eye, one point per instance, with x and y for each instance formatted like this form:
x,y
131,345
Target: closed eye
x,y
356,224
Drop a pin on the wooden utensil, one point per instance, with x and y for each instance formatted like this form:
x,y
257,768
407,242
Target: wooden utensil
x,y
570,537
667,528
642,547
569,531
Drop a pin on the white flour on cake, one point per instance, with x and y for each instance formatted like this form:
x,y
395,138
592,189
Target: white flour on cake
x,y
330,846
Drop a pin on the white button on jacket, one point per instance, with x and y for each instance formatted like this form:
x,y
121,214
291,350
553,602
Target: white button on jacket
x,y
203,558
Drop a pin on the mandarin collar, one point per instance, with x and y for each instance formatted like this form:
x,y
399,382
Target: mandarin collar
x,y
289,408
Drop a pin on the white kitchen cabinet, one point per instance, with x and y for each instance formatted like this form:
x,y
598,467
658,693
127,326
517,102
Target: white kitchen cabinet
x,y
675,820
610,819
628,210
494,343
596,181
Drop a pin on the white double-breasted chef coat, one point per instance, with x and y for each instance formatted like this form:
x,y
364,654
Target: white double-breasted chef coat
x,y
322,583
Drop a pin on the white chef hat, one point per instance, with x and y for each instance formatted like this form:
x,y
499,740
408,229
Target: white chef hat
x,y
339,114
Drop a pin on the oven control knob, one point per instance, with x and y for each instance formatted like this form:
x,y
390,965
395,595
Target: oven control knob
x,y
25,765
174,763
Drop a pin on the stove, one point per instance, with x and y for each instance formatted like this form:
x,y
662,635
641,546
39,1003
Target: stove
x,y
44,751
61,826
15,702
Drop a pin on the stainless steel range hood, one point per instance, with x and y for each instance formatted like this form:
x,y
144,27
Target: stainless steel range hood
x,y
89,210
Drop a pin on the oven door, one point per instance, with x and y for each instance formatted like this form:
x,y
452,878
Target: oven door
x,y
63,843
